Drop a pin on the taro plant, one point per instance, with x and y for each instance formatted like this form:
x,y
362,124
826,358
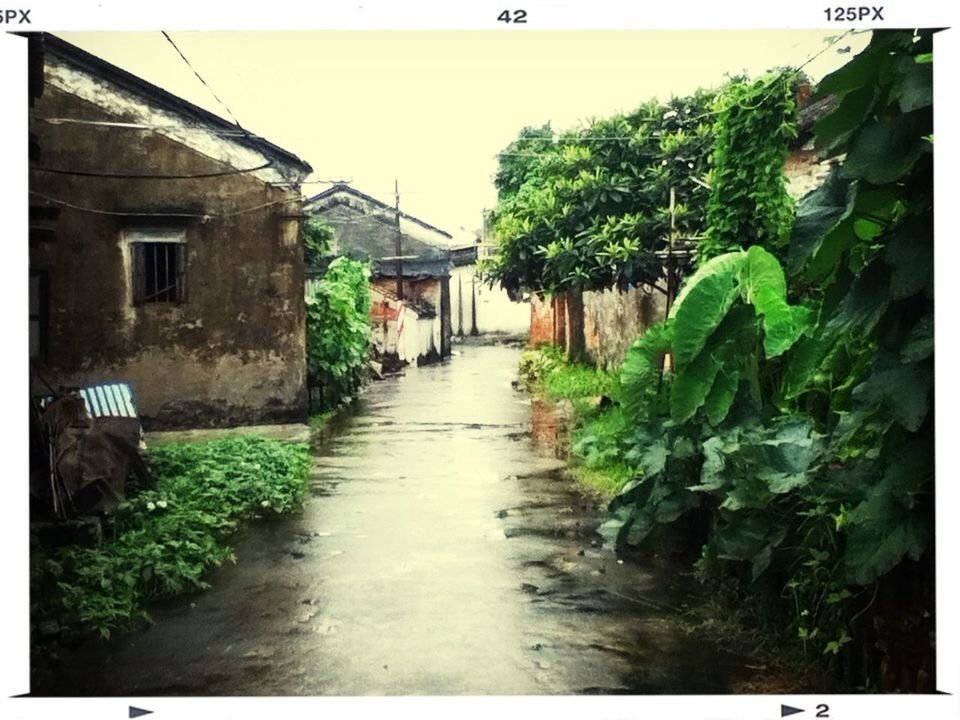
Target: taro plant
x,y
795,409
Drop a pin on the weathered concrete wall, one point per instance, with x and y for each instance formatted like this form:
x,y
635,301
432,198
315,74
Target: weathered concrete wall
x,y
613,320
804,172
234,350
494,311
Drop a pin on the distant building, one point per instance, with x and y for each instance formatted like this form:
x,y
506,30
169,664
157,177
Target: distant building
x,y
477,308
164,249
411,318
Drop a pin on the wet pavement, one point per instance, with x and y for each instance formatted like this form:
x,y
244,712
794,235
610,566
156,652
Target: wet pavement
x,y
443,551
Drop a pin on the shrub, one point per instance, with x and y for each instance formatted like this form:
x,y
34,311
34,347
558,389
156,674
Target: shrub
x,y
161,541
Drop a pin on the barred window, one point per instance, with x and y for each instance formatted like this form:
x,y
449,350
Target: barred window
x,y
159,266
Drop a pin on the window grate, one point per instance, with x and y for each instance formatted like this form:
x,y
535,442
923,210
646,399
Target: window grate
x,y
158,272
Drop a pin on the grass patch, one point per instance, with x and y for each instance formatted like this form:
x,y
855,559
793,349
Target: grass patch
x,y
162,540
605,480
600,431
320,419
546,372
598,446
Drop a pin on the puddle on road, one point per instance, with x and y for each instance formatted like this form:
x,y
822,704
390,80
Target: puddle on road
x,y
550,429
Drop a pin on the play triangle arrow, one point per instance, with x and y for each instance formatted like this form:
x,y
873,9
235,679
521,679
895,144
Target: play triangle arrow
x,y
137,712
787,710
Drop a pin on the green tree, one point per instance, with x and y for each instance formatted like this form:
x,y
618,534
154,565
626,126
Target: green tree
x,y
592,209
338,330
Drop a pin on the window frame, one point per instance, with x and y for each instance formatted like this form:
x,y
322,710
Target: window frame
x,y
136,240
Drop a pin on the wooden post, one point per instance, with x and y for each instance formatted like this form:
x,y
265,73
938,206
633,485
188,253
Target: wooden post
x,y
459,305
399,241
473,306
672,279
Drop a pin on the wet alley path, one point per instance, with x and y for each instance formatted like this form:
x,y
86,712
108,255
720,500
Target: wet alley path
x,y
440,553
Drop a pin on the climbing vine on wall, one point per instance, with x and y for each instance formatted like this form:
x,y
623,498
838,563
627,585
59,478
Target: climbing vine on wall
x,y
749,203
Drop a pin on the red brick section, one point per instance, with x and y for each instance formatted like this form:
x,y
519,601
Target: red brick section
x,y
548,321
541,322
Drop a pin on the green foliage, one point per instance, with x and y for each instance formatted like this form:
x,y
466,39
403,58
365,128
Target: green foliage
x,y
545,371
589,208
338,331
161,541
520,157
749,203
318,239
599,427
797,411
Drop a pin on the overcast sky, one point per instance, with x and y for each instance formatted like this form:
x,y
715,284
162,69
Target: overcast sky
x,y
432,109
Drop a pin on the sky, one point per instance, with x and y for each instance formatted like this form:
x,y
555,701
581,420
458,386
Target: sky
x,y
432,109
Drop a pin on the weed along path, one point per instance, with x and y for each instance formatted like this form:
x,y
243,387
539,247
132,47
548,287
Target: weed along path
x,y
440,553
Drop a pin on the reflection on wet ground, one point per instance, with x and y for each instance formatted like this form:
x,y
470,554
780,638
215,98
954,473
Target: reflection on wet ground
x,y
443,551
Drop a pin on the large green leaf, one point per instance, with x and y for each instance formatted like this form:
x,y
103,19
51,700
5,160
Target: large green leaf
x,y
919,344
818,212
909,253
726,264
748,537
803,361
640,373
903,390
718,402
787,456
763,285
914,89
691,386
704,307
864,303
893,521
887,149
836,127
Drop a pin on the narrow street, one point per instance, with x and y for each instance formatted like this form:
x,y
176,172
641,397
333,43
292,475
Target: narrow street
x,y
441,552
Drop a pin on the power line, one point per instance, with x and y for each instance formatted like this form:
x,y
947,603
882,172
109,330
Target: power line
x,y
120,213
782,75
200,78
121,176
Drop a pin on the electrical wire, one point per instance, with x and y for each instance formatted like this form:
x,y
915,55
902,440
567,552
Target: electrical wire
x,y
119,213
200,78
121,176
782,75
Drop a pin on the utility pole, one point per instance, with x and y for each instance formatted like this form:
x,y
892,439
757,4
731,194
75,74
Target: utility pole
x,y
399,241
672,275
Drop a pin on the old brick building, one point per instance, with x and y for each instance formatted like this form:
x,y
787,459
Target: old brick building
x,y
164,249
